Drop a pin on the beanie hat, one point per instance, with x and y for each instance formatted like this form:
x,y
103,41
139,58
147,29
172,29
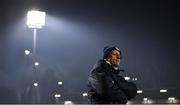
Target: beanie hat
x,y
108,49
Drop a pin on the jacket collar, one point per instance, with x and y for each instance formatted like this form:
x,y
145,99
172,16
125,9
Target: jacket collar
x,y
108,67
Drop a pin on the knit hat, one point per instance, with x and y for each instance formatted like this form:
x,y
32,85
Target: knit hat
x,y
108,49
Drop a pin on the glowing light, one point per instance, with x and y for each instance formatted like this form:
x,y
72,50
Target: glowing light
x,y
68,102
35,19
36,63
57,95
163,90
145,99
135,79
171,98
84,94
148,101
27,52
127,78
139,91
35,84
129,103
60,83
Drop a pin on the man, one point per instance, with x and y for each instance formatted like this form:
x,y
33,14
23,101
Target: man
x,y
106,86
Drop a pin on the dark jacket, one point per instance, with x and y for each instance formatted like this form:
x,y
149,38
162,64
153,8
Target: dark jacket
x,y
107,87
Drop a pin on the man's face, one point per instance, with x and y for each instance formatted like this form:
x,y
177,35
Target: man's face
x,y
114,58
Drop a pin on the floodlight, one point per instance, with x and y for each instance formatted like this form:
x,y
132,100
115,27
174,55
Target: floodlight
x,y
163,90
60,83
145,99
36,63
84,94
35,19
35,84
127,78
67,102
139,91
57,95
27,52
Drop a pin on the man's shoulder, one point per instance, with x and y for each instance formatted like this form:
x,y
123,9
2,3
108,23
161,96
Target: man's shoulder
x,y
97,70
98,67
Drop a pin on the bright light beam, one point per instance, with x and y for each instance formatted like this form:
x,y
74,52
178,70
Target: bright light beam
x,y
36,19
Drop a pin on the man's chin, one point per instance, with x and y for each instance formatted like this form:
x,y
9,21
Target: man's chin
x,y
116,65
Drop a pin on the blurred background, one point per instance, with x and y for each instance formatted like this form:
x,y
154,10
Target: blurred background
x,y
72,41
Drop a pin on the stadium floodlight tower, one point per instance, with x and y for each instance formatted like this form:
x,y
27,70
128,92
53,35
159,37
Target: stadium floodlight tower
x,y
35,20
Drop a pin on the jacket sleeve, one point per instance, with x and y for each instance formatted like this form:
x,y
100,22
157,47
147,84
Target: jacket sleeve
x,y
106,88
129,88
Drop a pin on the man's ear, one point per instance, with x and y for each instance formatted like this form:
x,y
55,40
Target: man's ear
x,y
108,59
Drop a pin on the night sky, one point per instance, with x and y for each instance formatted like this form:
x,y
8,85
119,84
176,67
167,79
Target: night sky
x,y
73,39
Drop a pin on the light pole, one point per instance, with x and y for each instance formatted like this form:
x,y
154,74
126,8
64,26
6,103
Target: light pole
x,y
35,20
